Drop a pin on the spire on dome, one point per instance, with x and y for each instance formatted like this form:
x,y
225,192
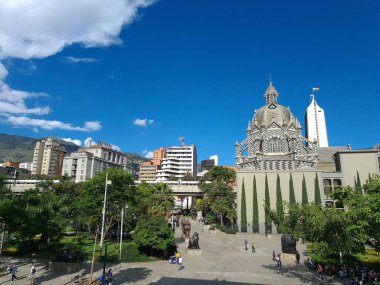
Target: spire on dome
x,y
271,94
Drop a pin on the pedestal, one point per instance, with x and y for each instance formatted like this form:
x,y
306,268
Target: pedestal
x,y
288,258
186,240
194,251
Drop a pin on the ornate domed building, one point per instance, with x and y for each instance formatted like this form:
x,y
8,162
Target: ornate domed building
x,y
274,140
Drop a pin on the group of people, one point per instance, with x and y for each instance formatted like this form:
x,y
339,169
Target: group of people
x,y
246,246
107,278
177,259
277,259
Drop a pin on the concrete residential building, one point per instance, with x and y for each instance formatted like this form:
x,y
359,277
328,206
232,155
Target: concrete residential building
x,y
26,165
48,157
179,161
89,161
315,124
148,171
158,155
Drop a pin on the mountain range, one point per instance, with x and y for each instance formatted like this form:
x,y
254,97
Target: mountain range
x,y
20,149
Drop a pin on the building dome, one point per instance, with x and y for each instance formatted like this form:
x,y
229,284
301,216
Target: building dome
x,y
272,113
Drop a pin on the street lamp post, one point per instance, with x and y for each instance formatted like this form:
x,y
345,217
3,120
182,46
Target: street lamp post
x,y
2,236
121,230
104,211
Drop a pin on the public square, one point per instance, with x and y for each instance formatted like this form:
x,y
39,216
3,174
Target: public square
x,y
224,261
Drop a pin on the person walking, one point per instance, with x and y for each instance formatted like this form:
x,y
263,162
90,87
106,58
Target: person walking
x,y
253,247
14,272
273,255
246,245
180,264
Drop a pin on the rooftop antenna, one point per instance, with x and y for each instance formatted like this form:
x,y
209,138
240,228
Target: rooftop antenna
x,y
181,141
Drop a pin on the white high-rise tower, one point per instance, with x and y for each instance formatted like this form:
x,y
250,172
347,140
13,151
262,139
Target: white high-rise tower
x,y
315,123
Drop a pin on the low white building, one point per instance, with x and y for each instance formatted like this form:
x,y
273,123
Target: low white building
x,y
89,161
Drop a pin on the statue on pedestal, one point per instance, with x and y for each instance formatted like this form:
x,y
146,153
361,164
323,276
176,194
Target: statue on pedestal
x,y
194,241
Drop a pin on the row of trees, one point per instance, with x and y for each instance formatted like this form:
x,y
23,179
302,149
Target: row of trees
x,y
51,207
330,233
279,202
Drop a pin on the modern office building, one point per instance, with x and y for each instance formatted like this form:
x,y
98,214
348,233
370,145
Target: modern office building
x,y
315,124
179,161
89,161
207,164
48,157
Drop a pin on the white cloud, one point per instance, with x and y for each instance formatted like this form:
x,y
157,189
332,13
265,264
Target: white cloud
x,y
144,151
14,101
88,142
92,126
115,147
143,122
37,29
72,59
75,141
23,121
149,154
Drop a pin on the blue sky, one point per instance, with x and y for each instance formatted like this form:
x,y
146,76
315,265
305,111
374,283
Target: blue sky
x,y
196,69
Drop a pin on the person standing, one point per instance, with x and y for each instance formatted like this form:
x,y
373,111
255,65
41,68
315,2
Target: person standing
x,y
253,247
246,244
109,276
298,258
273,255
320,271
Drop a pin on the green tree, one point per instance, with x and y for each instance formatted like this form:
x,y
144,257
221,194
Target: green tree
x,y
188,177
305,199
268,221
153,233
255,208
243,216
216,185
292,195
162,201
317,194
279,202
89,203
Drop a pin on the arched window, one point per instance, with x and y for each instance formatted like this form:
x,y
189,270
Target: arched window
x,y
274,145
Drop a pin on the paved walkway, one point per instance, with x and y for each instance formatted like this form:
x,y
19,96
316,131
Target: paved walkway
x,y
224,261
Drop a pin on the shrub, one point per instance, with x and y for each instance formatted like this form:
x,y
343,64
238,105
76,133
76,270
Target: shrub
x,y
227,230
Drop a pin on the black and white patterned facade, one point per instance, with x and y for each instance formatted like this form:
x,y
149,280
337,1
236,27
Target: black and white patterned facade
x,y
274,140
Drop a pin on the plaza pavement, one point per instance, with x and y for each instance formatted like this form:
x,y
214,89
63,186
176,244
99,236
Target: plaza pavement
x,y
224,261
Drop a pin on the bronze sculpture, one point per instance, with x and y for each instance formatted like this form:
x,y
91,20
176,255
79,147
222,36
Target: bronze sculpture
x,y
194,241
186,227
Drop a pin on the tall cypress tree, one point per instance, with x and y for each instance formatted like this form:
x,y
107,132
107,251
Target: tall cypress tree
x,y
292,195
255,208
305,200
268,222
243,216
358,182
317,197
279,204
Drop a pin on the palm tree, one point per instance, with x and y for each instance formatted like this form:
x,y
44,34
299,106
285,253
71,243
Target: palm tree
x,y
162,201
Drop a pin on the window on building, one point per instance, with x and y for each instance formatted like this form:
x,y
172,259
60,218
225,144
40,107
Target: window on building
x,y
274,145
337,183
327,186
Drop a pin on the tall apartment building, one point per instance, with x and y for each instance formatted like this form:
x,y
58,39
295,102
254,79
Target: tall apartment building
x,y
179,161
48,157
148,170
89,161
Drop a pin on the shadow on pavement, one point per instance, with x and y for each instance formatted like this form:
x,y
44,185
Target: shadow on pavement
x,y
132,275
303,274
187,281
